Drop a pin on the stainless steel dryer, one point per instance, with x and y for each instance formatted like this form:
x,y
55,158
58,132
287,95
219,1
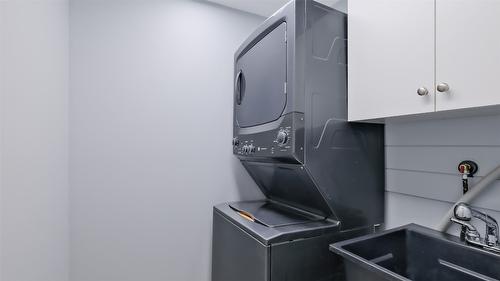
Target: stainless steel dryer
x,y
323,177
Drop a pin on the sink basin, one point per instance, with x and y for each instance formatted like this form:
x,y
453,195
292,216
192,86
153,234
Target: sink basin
x,y
414,252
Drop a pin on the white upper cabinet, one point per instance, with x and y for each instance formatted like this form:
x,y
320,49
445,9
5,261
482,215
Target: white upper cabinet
x,y
390,56
409,57
468,53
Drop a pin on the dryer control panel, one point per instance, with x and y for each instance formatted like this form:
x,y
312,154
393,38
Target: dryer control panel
x,y
282,139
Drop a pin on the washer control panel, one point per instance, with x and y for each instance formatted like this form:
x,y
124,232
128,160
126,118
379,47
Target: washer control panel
x,y
284,140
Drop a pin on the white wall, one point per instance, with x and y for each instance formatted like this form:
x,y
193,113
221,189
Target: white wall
x,y
34,140
421,167
150,138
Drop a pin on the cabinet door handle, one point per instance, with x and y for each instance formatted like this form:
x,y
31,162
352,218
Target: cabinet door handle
x,y
443,87
422,91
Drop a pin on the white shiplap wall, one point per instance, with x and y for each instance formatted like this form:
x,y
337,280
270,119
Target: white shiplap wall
x,y
422,180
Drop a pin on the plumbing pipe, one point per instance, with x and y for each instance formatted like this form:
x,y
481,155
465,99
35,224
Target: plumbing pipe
x,y
469,196
465,187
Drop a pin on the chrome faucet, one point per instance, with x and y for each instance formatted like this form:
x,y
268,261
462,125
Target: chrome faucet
x,y
463,215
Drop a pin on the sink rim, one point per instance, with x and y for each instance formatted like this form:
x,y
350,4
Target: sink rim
x,y
338,247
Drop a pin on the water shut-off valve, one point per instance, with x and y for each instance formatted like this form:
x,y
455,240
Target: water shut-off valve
x,y
467,168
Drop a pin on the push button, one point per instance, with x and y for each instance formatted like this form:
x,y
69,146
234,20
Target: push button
x,y
251,148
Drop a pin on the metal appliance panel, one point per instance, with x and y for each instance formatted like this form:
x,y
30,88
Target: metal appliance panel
x,y
339,166
281,231
273,214
239,253
310,259
354,186
260,86
307,259
261,142
236,255
290,184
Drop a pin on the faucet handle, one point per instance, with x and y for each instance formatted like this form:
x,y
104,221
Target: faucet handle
x,y
469,226
471,234
463,212
463,215
491,234
491,240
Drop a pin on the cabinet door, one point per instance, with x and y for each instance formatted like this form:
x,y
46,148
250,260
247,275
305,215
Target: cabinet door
x,y
468,53
390,56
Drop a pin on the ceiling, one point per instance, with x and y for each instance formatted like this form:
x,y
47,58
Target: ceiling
x,y
266,8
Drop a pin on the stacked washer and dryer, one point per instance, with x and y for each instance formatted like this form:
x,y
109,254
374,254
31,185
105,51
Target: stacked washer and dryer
x,y
322,176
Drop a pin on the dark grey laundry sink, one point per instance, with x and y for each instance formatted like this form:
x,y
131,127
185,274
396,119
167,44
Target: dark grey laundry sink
x,y
414,252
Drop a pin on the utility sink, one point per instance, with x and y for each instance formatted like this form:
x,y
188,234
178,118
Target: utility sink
x,y
414,252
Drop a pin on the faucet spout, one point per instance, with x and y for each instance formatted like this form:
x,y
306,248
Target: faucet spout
x,y
463,215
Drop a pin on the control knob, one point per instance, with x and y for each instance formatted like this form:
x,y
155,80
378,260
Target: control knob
x,y
245,149
251,148
282,137
236,141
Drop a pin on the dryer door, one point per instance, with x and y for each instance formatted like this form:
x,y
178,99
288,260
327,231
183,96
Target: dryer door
x,y
260,82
